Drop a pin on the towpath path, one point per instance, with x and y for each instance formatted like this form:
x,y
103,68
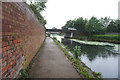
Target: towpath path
x,y
51,62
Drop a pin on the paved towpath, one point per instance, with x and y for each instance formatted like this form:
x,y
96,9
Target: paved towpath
x,y
52,63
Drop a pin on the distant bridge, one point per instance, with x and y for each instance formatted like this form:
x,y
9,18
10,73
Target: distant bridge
x,y
60,30
68,33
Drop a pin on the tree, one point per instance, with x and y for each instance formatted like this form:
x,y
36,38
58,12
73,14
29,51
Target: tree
x,y
79,24
118,25
105,21
69,24
40,6
114,26
94,26
37,8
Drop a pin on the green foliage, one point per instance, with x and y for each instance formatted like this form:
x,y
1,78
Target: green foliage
x,y
66,47
48,34
37,8
77,51
80,37
23,75
94,26
58,41
54,38
105,21
114,26
60,34
69,24
85,73
99,74
79,24
118,25
111,38
40,6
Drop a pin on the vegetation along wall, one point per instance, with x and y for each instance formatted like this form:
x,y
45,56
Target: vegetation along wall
x,y
22,35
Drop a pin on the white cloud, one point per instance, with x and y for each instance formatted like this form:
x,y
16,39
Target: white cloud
x,y
60,11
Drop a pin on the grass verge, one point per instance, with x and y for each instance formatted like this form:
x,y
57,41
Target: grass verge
x,y
105,38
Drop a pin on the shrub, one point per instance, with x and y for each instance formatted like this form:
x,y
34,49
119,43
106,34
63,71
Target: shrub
x,y
99,74
54,38
23,75
77,51
58,41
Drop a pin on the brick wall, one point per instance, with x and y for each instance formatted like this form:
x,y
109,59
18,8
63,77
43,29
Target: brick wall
x,y
22,36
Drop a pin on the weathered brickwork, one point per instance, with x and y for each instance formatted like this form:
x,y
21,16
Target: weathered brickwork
x,y
22,36
0,37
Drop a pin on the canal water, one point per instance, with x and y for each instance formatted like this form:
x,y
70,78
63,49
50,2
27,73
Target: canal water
x,y
100,58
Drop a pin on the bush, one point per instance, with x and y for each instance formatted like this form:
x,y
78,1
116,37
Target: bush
x,y
77,51
58,41
99,74
23,75
54,38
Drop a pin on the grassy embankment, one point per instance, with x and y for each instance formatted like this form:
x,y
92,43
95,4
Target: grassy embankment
x,y
105,38
79,65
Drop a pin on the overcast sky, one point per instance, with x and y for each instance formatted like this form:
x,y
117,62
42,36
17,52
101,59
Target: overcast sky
x,y
60,11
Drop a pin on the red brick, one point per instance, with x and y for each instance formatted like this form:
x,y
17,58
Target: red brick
x,y
13,72
0,44
4,54
14,41
4,44
18,41
0,60
9,38
9,60
0,33
18,47
0,39
17,52
8,47
13,45
10,42
18,31
13,58
5,58
9,51
11,63
4,49
11,55
0,50
14,53
5,68
16,37
4,74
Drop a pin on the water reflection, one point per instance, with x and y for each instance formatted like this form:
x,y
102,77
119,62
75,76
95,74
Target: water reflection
x,y
91,51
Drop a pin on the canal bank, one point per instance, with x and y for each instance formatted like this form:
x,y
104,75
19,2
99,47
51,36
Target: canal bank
x,y
111,38
51,62
100,58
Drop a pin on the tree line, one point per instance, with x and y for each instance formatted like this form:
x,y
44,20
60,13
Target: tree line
x,y
94,25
